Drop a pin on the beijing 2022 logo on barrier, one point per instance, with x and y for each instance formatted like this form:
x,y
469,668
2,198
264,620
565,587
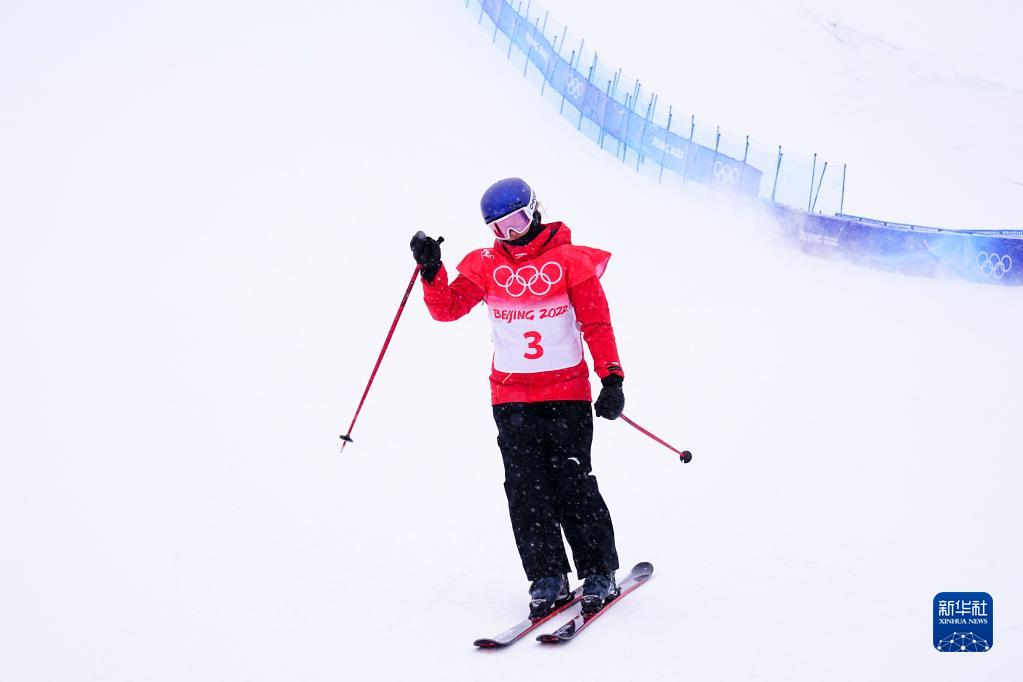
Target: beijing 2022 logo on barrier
x,y
993,264
575,87
726,174
963,622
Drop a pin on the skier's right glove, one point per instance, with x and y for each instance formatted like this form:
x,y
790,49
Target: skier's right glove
x,y
426,251
611,400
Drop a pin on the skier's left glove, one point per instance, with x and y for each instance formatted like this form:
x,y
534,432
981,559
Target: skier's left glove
x,y
611,400
426,251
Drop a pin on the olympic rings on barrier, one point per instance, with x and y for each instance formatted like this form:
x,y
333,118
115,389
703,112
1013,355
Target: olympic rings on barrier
x,y
518,282
993,264
726,173
575,87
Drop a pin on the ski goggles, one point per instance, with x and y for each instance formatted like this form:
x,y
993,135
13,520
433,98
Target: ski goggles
x,y
517,221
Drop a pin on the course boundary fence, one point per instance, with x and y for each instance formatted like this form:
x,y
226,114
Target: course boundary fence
x,y
805,194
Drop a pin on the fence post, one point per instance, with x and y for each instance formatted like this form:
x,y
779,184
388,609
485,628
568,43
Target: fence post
x,y
841,204
630,105
614,92
777,171
819,183
515,28
651,105
717,145
571,58
631,110
813,176
742,168
601,137
554,59
589,80
536,27
689,149
664,149
529,52
571,67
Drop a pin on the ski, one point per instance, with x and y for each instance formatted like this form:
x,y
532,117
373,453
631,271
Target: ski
x,y
515,632
640,573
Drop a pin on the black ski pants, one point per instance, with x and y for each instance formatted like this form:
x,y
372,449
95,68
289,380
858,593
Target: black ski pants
x,y
546,452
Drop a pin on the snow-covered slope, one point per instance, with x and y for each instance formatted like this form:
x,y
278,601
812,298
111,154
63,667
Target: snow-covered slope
x,y
205,217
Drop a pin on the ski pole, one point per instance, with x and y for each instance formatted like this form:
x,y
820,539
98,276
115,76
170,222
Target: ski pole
x,y
347,438
683,455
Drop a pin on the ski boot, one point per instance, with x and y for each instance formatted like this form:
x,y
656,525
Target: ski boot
x,y
598,589
548,593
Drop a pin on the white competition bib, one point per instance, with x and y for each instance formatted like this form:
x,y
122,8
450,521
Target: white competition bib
x,y
534,325
536,339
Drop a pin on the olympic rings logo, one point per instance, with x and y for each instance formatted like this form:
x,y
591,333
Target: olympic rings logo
x,y
518,282
726,173
575,87
994,265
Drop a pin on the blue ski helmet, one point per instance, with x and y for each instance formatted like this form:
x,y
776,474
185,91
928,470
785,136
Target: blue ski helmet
x,y
506,196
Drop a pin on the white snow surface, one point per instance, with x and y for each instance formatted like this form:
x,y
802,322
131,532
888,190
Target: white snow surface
x,y
205,211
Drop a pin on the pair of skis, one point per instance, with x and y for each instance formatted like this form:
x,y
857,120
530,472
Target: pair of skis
x,y
640,573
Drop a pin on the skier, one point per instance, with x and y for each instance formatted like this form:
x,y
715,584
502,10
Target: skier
x,y
544,298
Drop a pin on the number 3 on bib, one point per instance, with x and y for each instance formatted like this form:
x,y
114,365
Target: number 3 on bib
x,y
535,349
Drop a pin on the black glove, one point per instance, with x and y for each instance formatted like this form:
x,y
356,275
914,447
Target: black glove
x,y
426,251
611,400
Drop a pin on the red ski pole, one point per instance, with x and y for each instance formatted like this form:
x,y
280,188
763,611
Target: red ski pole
x,y
347,438
683,455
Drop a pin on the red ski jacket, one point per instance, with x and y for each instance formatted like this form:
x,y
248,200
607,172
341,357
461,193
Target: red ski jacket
x,y
544,298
